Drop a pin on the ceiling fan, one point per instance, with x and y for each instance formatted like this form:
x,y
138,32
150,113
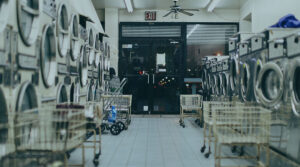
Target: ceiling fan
x,y
177,9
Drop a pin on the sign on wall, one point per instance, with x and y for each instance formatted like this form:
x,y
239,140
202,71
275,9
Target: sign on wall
x,y
150,15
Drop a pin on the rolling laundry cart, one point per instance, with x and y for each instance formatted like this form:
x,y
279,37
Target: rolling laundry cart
x,y
244,126
42,136
208,108
190,106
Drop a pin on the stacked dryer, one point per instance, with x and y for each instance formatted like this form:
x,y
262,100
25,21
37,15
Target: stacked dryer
x,y
74,56
63,44
6,132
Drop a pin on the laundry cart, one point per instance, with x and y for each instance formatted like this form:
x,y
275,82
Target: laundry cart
x,y
44,135
190,106
122,104
243,126
94,111
208,108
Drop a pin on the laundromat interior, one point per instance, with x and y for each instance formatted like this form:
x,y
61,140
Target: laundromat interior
x,y
149,83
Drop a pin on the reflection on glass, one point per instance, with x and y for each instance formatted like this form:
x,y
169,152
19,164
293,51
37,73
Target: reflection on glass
x,y
271,85
296,84
63,95
64,18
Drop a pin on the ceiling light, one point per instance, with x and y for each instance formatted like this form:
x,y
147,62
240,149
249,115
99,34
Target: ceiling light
x,y
129,6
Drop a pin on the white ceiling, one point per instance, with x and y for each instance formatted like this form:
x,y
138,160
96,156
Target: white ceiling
x,y
165,4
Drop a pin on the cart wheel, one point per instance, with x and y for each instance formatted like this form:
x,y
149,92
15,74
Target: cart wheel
x,y
102,128
180,121
126,127
121,125
233,149
203,149
207,155
96,162
183,125
115,129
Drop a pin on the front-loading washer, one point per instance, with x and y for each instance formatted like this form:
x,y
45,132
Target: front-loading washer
x,y
246,71
270,85
224,77
293,54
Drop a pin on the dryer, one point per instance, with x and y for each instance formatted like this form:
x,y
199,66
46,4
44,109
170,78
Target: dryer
x,y
63,44
74,56
48,53
205,71
6,117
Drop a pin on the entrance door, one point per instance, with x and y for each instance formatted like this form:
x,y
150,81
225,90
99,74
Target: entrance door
x,y
153,71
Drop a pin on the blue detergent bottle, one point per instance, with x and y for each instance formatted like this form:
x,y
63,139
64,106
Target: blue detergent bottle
x,y
112,115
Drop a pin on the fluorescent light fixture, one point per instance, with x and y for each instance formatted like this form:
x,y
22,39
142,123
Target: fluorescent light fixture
x,y
212,5
129,6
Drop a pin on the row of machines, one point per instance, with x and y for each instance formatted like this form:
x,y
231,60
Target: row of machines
x,y
262,69
50,54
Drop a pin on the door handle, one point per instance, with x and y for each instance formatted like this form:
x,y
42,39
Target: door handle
x,y
153,79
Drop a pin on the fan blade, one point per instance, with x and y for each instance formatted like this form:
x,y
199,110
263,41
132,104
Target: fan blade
x,y
185,12
168,14
196,10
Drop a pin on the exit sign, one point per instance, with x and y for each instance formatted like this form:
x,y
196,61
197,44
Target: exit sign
x,y
150,15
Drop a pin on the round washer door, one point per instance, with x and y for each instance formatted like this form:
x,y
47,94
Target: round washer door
x,y
48,56
257,68
204,78
27,103
83,66
295,86
75,93
234,73
75,44
4,13
63,30
224,83
91,47
62,95
269,85
29,15
91,92
245,82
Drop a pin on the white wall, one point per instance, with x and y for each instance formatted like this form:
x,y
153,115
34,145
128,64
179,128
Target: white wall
x,y
112,29
267,12
219,15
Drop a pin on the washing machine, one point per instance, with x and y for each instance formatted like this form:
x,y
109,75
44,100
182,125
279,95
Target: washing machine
x,y
234,77
270,86
246,71
258,52
293,54
74,56
205,72
48,53
224,78
63,44
217,78
6,121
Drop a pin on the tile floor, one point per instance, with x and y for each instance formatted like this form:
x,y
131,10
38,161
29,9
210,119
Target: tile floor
x,y
151,142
